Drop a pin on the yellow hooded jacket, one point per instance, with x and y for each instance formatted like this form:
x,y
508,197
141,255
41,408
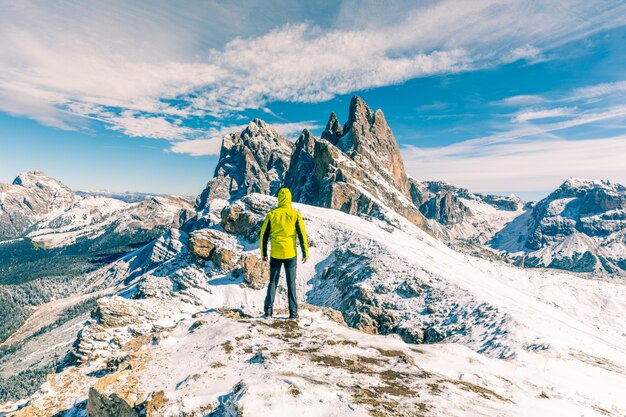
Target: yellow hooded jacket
x,y
281,226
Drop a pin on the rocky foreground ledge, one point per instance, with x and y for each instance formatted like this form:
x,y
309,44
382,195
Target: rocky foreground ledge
x,y
225,363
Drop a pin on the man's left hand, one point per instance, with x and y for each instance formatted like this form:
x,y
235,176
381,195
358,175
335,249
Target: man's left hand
x,y
304,260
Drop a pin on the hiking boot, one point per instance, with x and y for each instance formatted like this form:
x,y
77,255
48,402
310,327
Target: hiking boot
x,y
294,317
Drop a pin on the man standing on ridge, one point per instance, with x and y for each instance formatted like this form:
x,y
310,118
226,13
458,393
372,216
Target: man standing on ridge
x,y
281,226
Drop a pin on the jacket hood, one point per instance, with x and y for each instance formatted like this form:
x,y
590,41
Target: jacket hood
x,y
284,197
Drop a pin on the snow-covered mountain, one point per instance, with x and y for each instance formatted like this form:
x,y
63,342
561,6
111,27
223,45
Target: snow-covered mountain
x,y
398,316
30,198
465,220
50,237
127,196
175,330
41,208
581,226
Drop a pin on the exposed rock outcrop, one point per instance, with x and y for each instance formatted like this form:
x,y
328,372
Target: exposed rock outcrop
x,y
581,226
237,220
255,272
214,245
253,160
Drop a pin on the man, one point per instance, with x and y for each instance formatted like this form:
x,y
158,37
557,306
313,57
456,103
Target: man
x,y
281,226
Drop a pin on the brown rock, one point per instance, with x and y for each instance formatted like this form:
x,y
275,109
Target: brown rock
x,y
156,403
237,220
223,258
203,242
114,394
255,272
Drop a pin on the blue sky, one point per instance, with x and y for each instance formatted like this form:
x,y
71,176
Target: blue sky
x,y
496,96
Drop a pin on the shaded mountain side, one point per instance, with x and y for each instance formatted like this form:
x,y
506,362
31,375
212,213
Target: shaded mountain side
x,y
581,226
254,160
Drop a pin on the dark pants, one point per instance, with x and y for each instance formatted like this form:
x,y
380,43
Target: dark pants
x,y
290,272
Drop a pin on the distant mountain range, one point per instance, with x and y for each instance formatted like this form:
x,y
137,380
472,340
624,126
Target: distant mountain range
x,y
151,307
126,196
357,168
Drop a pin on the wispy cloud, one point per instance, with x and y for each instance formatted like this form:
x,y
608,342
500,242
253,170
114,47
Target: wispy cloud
x,y
523,165
527,115
128,66
532,152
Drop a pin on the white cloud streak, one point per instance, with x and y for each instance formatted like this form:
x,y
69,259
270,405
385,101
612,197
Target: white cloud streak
x,y
116,62
526,156
528,115
524,166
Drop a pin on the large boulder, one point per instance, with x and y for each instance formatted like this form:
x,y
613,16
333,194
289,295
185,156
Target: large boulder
x,y
214,245
237,220
255,272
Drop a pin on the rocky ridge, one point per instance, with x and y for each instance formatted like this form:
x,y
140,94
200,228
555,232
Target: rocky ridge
x,y
254,160
581,226
32,196
169,296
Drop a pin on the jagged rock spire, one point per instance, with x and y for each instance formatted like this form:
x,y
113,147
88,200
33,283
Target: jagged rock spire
x,y
302,168
333,130
253,160
367,136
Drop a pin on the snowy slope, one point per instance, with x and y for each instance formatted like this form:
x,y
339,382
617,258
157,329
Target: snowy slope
x,y
92,217
581,226
546,337
32,196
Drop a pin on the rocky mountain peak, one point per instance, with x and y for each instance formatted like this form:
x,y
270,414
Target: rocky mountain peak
x,y
356,168
575,186
580,227
257,126
368,139
40,180
306,140
299,178
253,160
359,114
333,130
593,196
31,196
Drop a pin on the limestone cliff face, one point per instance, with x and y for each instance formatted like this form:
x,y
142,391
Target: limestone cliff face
x,y
253,160
369,141
299,178
355,168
